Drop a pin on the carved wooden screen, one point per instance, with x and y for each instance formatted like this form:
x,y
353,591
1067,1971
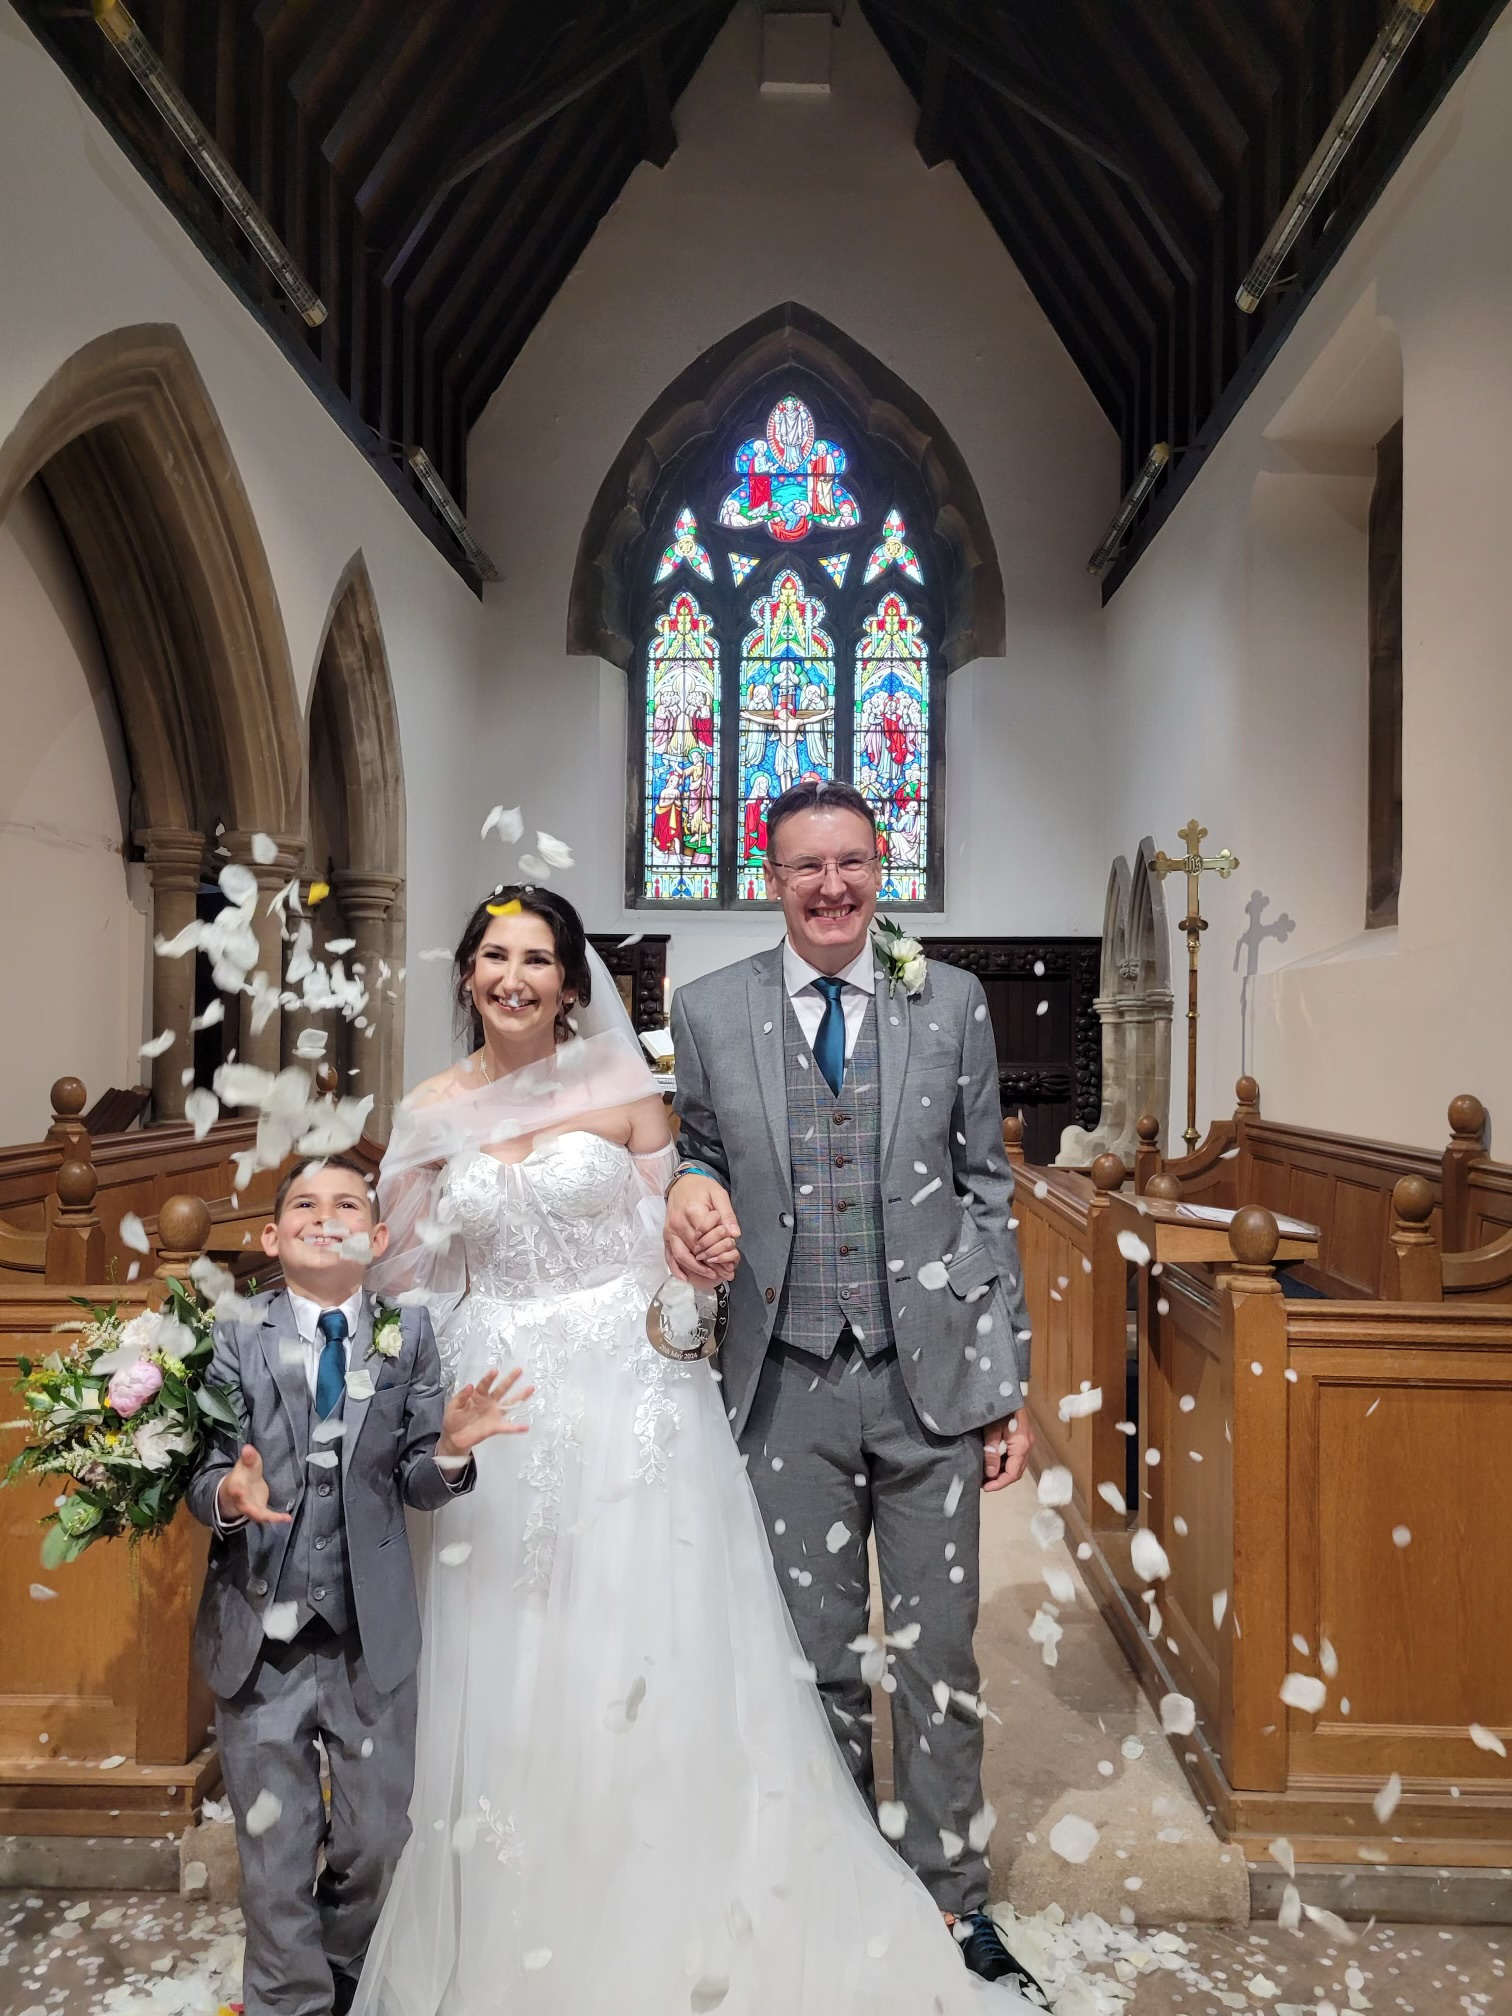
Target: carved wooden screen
x,y
1041,993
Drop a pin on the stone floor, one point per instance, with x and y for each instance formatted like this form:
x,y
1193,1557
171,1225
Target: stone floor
x,y
108,1955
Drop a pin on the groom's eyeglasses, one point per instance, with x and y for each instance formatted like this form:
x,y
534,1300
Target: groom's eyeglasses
x,y
807,874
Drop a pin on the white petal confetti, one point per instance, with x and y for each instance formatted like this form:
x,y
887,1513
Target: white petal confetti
x,y
1076,1406
892,1818
928,1191
1061,1584
1133,1248
359,1383
1056,1485
201,1110
1178,1715
979,1833
454,1554
1151,1563
1111,1495
1073,1838
534,868
1220,1607
1487,1739
951,1844
933,1274
556,852
263,1813
837,1536
111,1763
264,850
953,1497
1388,1798
1401,1536
133,1233
509,826
1304,1692
280,1621
537,1958
40,1593
157,1045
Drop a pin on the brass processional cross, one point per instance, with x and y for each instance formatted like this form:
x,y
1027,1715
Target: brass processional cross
x,y
1191,864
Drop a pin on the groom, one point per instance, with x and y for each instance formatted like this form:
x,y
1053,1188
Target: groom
x,y
841,1162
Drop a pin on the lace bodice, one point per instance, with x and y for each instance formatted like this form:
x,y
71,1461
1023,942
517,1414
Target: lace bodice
x,y
560,1220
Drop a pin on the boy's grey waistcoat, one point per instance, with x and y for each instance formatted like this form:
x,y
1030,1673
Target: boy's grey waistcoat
x,y
385,1460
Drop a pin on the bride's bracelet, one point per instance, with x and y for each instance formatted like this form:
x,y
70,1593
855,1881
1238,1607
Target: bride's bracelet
x,y
692,1169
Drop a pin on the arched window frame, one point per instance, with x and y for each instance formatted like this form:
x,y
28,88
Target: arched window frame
x,y
883,479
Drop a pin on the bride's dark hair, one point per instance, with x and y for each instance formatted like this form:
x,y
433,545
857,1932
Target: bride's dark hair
x,y
567,934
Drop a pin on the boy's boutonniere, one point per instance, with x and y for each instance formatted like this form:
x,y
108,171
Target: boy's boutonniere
x,y
388,1338
902,957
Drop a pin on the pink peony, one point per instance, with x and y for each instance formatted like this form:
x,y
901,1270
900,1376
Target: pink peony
x,y
133,1386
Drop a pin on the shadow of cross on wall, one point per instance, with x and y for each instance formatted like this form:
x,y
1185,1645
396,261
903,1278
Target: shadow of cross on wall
x,y
1249,942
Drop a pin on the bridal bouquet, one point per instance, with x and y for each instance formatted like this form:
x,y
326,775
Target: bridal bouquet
x,y
120,1415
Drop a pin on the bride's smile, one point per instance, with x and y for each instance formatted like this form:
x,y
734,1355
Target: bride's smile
x,y
519,990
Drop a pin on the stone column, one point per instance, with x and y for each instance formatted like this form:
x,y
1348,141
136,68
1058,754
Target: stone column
x,y
175,863
368,897
265,1049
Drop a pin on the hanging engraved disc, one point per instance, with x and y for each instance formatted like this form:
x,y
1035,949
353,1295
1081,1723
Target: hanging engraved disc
x,y
676,1340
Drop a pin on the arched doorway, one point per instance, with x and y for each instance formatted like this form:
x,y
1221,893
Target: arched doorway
x,y
127,448
356,845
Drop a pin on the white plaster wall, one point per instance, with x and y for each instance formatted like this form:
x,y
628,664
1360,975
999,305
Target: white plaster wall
x,y
823,200
1236,660
85,247
75,932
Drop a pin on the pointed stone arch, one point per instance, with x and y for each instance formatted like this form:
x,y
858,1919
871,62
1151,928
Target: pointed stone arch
x,y
876,402
356,837
1134,1005
128,448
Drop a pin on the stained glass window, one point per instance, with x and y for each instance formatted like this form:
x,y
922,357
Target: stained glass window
x,y
685,550
787,714
755,683
894,551
789,479
682,757
891,750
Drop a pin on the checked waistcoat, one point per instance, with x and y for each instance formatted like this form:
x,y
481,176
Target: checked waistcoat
x,y
837,1272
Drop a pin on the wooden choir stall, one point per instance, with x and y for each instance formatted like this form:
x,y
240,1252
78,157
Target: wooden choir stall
x,y
1302,1345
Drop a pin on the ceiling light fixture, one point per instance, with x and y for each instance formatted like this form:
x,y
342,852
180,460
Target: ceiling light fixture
x,y
142,60
446,504
1123,518
1386,52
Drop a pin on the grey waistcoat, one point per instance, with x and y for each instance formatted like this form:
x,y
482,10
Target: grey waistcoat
x,y
837,1273
316,1573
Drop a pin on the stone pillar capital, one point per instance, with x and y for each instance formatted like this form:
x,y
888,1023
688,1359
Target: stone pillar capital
x,y
285,865
367,895
175,856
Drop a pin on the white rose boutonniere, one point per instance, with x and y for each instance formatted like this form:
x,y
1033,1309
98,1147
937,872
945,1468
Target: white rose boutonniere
x,y
388,1338
902,957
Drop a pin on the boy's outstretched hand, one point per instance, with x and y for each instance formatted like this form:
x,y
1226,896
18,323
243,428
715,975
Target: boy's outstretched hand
x,y
474,1413
243,1493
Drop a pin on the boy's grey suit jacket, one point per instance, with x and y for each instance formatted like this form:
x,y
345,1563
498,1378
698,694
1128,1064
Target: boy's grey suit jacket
x,y
387,1461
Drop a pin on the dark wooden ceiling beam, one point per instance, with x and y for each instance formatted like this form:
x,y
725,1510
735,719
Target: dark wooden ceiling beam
x,y
607,54
659,136
991,65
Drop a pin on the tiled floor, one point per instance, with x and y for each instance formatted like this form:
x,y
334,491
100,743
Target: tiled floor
x,y
108,1955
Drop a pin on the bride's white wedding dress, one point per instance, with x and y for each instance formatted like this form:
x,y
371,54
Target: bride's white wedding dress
x,y
627,1800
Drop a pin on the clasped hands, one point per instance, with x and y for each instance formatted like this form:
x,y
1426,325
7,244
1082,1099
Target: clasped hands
x,y
473,1414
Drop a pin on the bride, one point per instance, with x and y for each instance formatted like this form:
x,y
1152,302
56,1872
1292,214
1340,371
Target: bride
x,y
627,1799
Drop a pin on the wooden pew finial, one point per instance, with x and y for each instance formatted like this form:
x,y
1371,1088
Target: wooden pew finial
x,y
1147,1127
68,1096
1467,1120
1412,1200
1254,1236
183,1228
1247,1095
1108,1173
1165,1186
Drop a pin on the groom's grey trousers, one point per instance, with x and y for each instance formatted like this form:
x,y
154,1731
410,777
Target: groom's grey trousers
x,y
835,1443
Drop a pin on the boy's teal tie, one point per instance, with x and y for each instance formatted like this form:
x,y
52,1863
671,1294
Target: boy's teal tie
x,y
330,1380
829,1044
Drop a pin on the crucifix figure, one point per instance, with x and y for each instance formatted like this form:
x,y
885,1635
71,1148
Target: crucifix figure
x,y
1191,864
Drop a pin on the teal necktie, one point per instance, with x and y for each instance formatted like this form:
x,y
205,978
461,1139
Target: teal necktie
x,y
330,1378
829,1044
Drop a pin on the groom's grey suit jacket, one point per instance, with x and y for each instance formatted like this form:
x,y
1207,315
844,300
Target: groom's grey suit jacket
x,y
940,1107
386,1461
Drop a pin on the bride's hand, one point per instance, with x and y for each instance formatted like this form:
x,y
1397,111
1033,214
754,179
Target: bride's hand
x,y
474,1413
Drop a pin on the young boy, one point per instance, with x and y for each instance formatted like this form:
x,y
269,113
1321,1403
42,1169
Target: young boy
x,y
309,1625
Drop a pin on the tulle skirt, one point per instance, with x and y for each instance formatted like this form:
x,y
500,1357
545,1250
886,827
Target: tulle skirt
x,y
627,1800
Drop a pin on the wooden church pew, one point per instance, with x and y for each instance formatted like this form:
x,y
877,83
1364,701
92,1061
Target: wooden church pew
x,y
105,1671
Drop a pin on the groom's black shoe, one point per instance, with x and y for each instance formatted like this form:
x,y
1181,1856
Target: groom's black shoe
x,y
984,1953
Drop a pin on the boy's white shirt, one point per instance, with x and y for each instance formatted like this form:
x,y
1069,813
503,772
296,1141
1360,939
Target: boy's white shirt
x,y
307,1315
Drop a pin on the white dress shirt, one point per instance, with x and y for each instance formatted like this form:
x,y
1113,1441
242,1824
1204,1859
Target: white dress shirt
x,y
860,979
